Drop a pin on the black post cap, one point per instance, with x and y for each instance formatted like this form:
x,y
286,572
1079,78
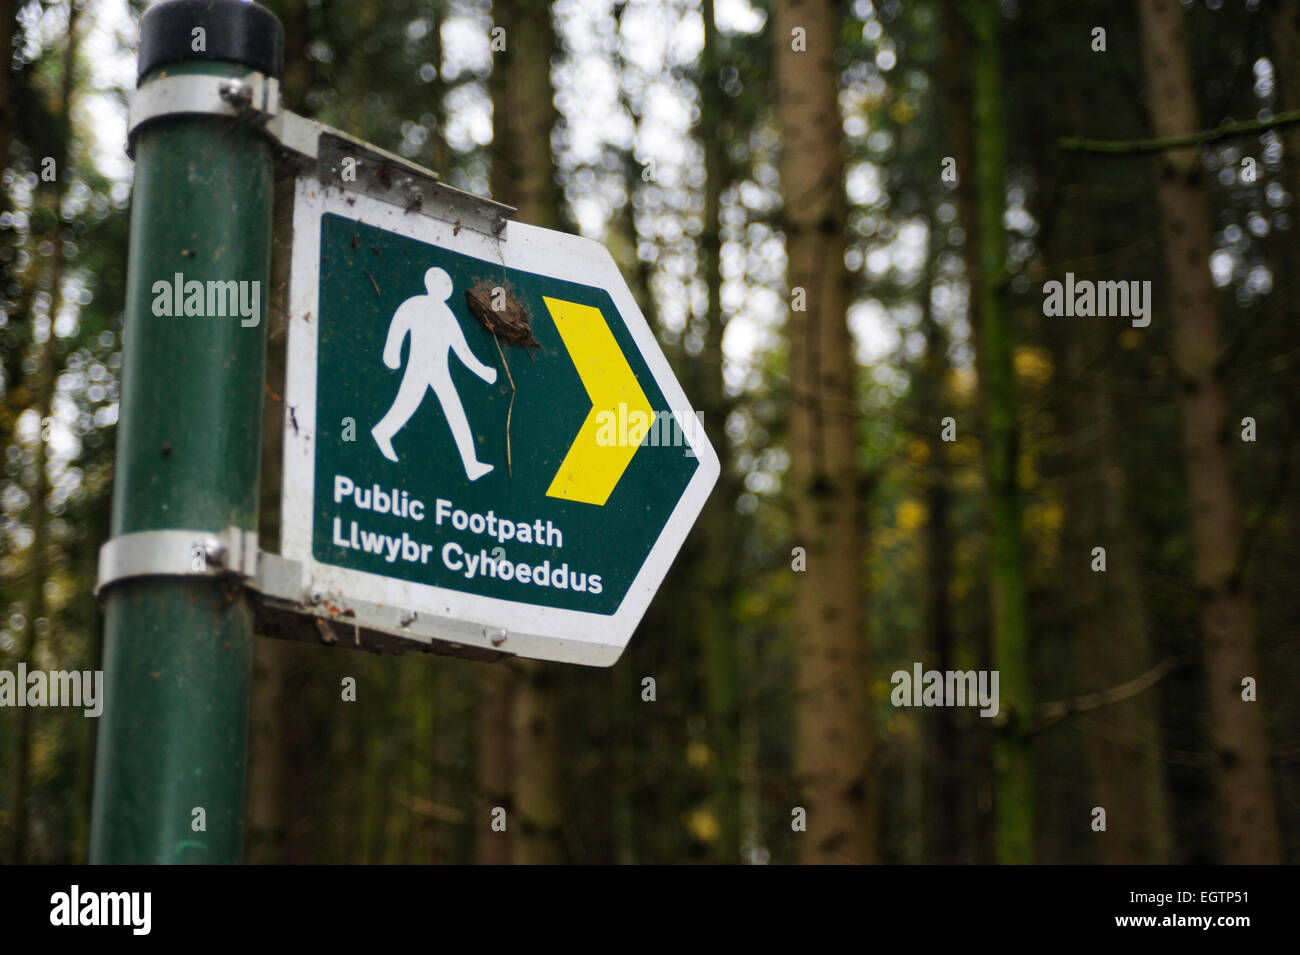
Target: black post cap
x,y
234,31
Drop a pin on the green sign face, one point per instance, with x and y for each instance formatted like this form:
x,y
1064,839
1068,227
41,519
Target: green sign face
x,y
487,436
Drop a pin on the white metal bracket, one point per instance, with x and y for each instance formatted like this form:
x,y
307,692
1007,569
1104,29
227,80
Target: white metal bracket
x,y
255,99
287,598
178,553
252,98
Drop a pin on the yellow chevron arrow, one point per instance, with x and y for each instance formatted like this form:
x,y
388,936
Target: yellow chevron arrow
x,y
592,468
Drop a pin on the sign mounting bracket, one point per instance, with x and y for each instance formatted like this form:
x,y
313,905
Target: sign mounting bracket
x,y
178,553
255,99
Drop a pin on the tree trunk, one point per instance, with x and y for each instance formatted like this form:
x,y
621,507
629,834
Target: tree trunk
x,y
1248,830
535,750
1284,38
833,742
1111,641
957,39
496,703
439,151
523,174
8,14
280,752
36,564
43,393
995,347
716,527
942,795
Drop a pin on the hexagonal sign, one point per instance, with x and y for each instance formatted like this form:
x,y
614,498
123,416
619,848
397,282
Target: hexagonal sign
x,y
484,443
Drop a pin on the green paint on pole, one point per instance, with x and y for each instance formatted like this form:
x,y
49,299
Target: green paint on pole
x,y
178,649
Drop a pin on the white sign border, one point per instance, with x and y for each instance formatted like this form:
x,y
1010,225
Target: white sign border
x,y
528,630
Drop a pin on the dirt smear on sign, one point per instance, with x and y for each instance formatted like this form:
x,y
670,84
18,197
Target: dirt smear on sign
x,y
499,310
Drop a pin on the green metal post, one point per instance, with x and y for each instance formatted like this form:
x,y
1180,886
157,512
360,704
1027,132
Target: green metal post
x,y
178,649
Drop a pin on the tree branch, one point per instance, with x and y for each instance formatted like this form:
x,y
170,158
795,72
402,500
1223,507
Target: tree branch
x,y
1049,714
1223,131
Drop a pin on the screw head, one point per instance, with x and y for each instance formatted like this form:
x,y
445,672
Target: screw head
x,y
236,92
214,549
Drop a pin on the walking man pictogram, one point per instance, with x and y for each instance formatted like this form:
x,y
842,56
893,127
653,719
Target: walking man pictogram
x,y
435,333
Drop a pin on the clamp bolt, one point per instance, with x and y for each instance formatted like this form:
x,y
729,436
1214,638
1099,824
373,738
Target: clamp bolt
x,y
214,551
236,93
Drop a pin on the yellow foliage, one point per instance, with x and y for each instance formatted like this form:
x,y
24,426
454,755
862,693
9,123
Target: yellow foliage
x,y
698,754
1027,470
703,825
1033,365
1129,339
911,515
902,727
958,588
880,686
963,382
902,113
1043,523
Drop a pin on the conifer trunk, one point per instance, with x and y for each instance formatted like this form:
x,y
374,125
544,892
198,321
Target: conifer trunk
x,y
518,738
995,345
1248,831
833,742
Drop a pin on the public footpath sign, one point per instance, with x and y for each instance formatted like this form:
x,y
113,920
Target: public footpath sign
x,y
484,444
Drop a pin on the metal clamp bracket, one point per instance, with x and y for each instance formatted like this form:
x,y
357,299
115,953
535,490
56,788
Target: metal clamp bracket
x,y
252,98
178,553
255,99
